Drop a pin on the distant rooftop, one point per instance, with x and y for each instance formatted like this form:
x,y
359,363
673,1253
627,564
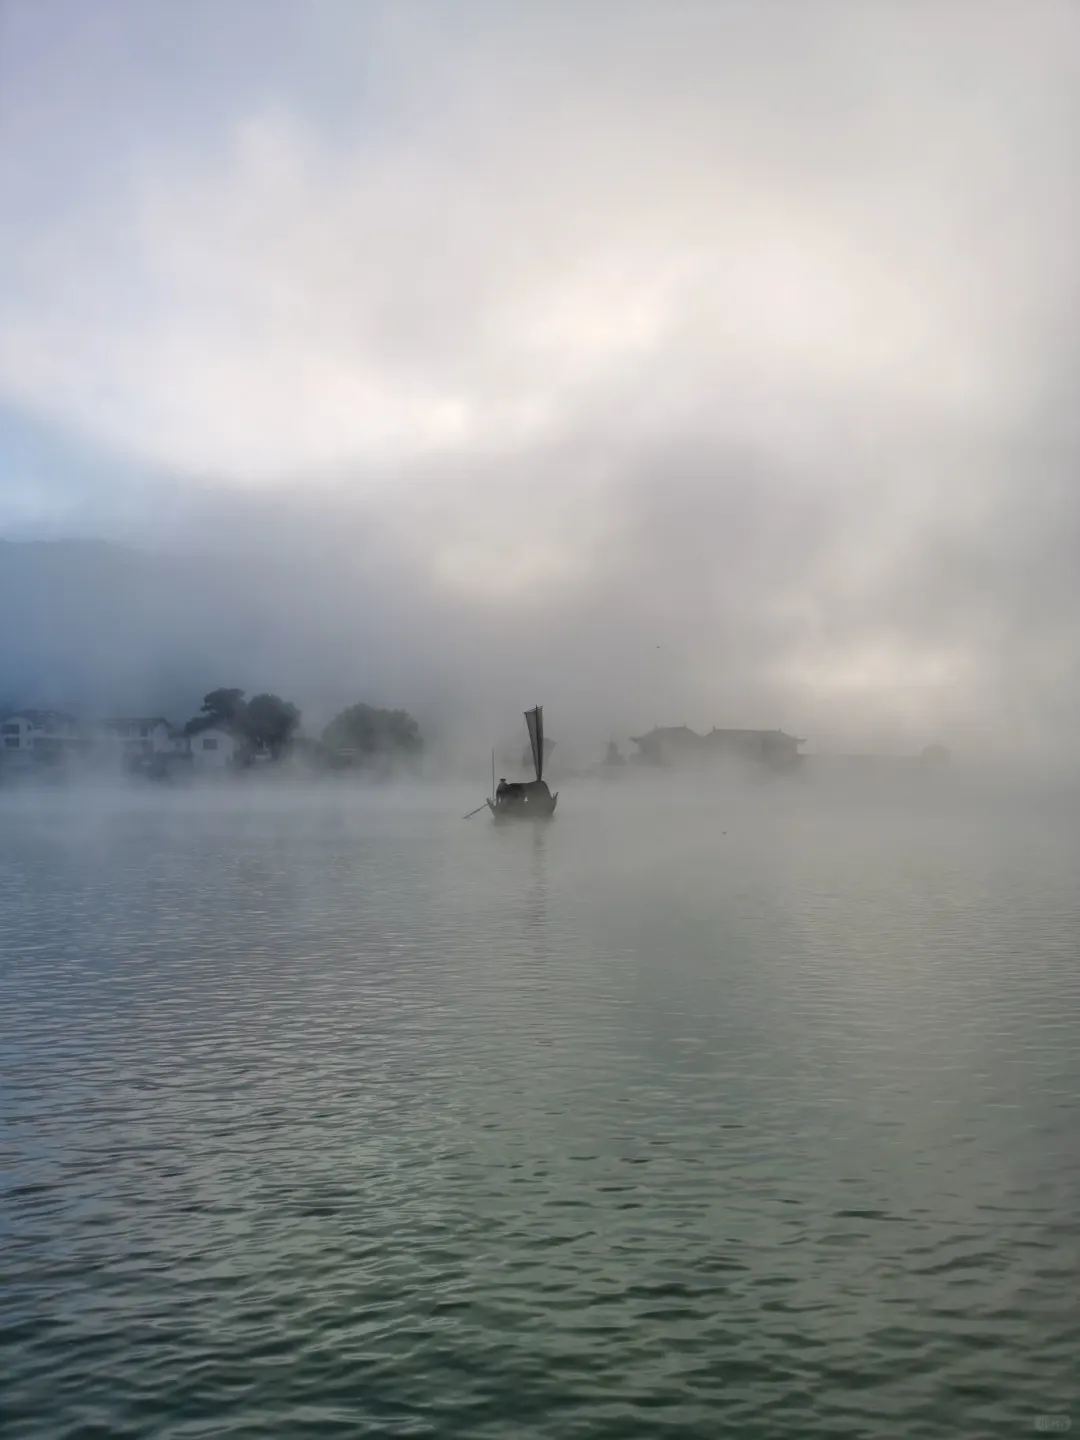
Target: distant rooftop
x,y
40,718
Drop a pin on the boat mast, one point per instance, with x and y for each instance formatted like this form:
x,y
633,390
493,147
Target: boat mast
x,y
534,719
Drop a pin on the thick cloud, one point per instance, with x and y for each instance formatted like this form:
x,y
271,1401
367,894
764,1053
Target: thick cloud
x,y
697,361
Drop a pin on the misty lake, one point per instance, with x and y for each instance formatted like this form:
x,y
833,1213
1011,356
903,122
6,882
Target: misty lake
x,y
748,1112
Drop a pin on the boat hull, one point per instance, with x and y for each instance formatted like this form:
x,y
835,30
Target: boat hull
x,y
536,809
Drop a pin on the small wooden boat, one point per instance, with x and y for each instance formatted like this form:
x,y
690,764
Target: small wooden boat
x,y
530,799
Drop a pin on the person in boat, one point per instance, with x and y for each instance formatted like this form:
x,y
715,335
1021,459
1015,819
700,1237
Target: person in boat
x,y
516,792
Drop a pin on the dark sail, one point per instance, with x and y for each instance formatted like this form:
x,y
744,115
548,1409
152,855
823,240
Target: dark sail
x,y
534,719
527,753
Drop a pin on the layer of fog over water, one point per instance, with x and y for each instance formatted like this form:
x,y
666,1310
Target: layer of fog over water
x,y
711,1108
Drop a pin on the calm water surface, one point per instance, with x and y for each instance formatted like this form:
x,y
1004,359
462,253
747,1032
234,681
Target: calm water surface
x,y
330,1114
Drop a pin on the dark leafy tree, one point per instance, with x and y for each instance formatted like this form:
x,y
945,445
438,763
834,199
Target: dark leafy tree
x,y
270,723
364,735
220,707
224,707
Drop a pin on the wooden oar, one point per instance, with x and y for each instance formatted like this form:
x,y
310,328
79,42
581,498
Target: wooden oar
x,y
476,811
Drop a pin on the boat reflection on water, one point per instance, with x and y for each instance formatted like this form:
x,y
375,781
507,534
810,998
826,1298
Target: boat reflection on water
x,y
536,906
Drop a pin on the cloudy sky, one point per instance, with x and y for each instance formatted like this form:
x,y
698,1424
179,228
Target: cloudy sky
x,y
718,358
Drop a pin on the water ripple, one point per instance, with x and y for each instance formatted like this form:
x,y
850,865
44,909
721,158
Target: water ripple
x,y
328,1115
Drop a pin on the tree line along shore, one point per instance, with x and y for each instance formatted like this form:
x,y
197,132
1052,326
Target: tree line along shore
x,y
230,733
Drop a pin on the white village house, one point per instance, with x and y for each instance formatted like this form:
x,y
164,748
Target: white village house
x,y
37,734
144,744
131,737
212,749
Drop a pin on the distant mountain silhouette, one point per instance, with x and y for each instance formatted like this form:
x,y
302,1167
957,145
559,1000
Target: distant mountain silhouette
x,y
93,626
96,627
